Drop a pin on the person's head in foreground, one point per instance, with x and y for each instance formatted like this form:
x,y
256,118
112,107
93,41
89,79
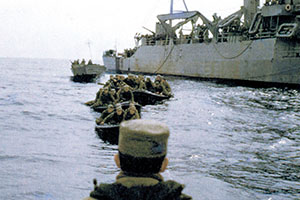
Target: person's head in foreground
x,y
142,147
141,157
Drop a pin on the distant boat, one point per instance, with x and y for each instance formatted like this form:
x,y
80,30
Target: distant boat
x,y
86,72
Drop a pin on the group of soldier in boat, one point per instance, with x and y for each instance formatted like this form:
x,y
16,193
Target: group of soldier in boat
x,y
116,114
159,86
119,89
142,144
83,62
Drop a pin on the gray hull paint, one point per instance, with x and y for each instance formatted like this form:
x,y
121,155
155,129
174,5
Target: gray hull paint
x,y
266,60
94,69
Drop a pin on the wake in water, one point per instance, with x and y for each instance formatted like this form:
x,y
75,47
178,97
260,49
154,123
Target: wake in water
x,y
226,142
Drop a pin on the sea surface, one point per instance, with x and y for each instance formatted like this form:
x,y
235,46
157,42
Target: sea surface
x,y
226,142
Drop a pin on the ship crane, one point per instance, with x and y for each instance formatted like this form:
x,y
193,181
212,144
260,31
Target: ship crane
x,y
254,44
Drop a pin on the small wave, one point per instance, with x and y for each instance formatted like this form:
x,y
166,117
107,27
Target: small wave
x,y
6,102
25,112
8,157
51,115
280,143
32,115
39,159
18,103
40,195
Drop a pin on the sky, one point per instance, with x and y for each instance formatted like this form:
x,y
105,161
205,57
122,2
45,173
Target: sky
x,y
62,29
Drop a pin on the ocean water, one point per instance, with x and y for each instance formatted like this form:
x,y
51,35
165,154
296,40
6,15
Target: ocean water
x,y
226,143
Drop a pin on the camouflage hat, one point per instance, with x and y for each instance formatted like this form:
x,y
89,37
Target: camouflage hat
x,y
110,106
143,138
118,106
131,105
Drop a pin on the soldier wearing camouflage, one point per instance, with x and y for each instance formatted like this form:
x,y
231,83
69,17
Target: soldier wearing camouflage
x,y
142,155
131,113
115,117
105,113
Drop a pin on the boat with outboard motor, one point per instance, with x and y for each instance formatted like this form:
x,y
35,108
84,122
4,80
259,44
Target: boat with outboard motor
x,y
260,45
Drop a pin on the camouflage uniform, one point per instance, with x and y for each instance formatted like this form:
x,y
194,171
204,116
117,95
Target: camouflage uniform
x,y
111,83
149,85
104,114
140,84
114,95
166,85
142,147
98,94
160,88
158,78
130,80
120,81
125,95
129,116
105,99
151,187
114,117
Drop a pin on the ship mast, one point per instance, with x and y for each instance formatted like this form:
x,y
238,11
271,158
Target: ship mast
x,y
250,9
89,45
185,5
172,9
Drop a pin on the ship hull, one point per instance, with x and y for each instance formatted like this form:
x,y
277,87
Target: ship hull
x,y
86,73
265,60
91,69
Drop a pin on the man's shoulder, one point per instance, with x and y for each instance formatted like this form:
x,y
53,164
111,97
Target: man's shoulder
x,y
162,190
174,188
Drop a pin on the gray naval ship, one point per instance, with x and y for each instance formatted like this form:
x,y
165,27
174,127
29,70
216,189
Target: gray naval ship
x,y
256,44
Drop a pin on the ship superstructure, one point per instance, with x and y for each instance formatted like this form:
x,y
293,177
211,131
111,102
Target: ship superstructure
x,y
252,44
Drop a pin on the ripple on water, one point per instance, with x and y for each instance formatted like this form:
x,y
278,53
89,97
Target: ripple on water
x,y
239,141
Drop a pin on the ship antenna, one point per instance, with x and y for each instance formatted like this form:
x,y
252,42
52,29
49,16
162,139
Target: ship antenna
x,y
171,7
185,5
89,45
171,11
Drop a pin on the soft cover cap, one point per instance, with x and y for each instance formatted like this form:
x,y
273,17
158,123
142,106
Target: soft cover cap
x,y
143,138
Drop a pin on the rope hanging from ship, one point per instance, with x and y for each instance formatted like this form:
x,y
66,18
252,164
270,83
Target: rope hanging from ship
x,y
167,57
163,63
233,57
